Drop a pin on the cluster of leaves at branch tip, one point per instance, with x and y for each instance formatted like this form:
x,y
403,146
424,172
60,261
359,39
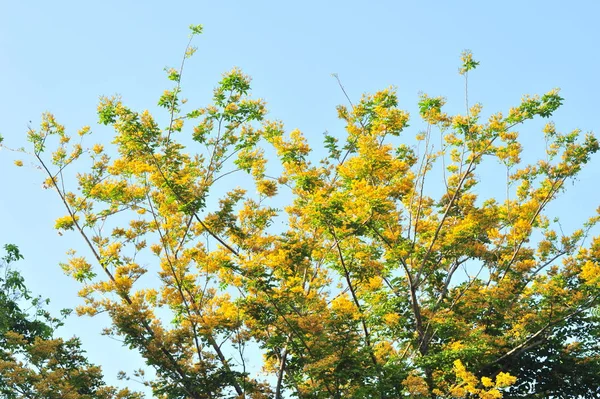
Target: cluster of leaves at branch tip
x,y
468,63
374,286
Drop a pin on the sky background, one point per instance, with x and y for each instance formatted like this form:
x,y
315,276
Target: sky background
x,y
60,56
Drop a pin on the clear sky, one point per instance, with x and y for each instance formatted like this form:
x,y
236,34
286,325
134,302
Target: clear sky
x,y
60,56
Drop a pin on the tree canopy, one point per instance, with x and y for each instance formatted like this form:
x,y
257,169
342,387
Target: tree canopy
x,y
33,362
373,266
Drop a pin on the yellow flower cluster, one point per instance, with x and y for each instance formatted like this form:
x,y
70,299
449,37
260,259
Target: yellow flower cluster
x,y
484,388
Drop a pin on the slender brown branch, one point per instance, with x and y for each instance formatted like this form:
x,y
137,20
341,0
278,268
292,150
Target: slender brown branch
x,y
123,295
521,347
354,297
553,190
280,373
178,89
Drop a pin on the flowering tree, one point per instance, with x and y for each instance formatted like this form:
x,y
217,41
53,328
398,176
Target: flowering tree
x,y
372,287
33,362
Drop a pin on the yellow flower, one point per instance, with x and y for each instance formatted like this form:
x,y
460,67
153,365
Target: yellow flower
x,y
590,272
416,385
65,222
97,148
391,319
343,305
266,187
491,394
487,382
457,345
504,380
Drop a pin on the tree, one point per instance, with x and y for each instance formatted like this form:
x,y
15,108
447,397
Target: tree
x,y
367,283
33,363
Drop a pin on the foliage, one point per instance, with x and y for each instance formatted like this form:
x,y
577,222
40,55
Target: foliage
x,y
375,284
566,364
34,364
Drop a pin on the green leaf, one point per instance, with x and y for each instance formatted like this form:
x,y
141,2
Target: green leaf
x,y
196,29
468,63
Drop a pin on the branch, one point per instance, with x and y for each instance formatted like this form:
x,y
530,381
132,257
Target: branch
x,y
553,190
123,295
354,297
178,89
280,373
186,303
525,345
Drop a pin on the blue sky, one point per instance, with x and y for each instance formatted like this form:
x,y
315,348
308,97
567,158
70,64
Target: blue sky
x,y
60,56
